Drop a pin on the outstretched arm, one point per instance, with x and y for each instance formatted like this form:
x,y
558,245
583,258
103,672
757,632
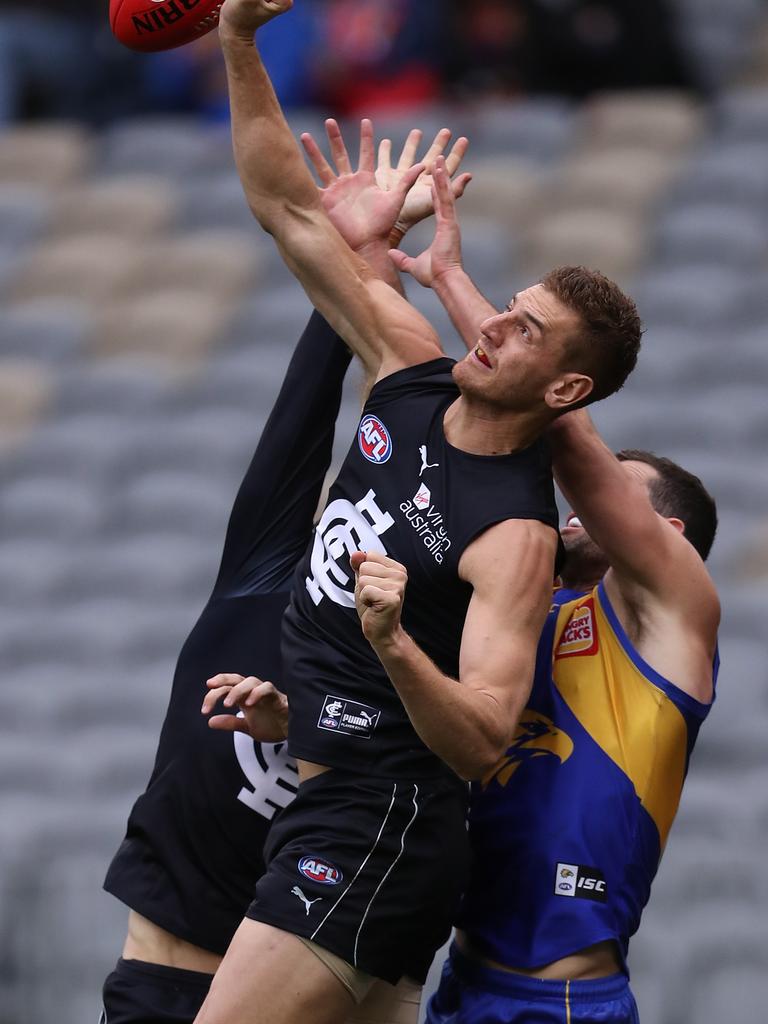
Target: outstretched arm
x,y
371,317
441,268
657,581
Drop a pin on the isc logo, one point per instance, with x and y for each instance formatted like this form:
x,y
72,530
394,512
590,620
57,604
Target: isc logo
x,y
583,882
374,440
318,870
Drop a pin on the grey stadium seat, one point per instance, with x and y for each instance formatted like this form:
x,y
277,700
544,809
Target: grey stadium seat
x,y
127,387
172,146
721,235
154,567
33,570
728,171
536,129
695,298
743,114
174,500
271,319
55,331
50,507
24,213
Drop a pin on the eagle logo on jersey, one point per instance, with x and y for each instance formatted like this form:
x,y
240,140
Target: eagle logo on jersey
x,y
536,736
374,440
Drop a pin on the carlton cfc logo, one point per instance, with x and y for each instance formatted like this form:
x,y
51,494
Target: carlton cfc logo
x,y
374,440
318,870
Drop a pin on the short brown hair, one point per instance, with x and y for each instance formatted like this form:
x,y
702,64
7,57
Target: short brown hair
x,y
607,347
677,493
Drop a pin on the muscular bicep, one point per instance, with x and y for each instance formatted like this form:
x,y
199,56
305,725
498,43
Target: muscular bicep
x,y
510,568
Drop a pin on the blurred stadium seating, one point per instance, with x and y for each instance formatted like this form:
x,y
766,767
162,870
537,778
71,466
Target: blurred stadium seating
x,y
144,328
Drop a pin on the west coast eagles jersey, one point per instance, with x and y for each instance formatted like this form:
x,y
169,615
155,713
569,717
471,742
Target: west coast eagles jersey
x,y
568,829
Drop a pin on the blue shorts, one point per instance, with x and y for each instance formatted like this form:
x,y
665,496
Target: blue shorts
x,y
471,993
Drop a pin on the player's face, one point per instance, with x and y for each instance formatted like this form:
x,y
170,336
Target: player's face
x,y
520,351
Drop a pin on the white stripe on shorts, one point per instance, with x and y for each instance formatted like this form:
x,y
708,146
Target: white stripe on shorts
x,y
389,870
365,861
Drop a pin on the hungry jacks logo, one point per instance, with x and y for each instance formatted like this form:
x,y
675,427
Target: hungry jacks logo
x,y
579,637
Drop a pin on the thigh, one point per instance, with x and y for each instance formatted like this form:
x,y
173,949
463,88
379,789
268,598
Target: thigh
x,y
269,977
142,993
389,1004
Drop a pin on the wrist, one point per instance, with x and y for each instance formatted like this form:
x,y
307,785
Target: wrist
x,y
448,277
398,233
393,645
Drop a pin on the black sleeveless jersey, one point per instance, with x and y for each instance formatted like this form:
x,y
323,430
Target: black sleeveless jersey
x,y
193,849
404,491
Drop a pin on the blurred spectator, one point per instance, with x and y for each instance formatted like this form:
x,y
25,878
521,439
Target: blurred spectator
x,y
192,79
380,56
573,47
58,59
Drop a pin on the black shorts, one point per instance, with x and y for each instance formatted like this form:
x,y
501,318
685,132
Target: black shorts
x,y
140,993
371,869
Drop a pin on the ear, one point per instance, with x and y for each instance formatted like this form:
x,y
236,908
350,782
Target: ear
x,y
568,390
678,524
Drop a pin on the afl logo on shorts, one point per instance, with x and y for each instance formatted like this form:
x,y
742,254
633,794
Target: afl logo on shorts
x,y
374,440
318,870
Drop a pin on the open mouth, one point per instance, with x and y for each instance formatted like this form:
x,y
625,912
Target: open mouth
x,y
482,357
573,522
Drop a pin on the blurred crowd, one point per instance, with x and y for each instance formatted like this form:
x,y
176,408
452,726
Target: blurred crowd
x,y
59,59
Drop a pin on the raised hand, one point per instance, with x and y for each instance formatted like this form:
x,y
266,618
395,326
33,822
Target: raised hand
x,y
264,708
244,17
359,209
444,254
379,593
419,203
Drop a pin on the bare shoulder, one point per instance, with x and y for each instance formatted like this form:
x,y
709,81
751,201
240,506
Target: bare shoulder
x,y
673,626
512,551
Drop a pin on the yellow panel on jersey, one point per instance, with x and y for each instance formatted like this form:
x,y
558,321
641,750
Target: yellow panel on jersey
x,y
622,704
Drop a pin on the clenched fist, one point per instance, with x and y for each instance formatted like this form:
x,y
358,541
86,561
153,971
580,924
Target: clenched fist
x,y
379,593
244,17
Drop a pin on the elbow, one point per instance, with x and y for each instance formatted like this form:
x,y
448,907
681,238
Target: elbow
x,y
481,761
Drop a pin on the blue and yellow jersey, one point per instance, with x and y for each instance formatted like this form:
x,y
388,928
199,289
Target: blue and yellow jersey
x,y
569,827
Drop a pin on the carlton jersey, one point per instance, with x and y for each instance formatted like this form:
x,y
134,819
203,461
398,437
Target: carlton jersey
x,y
405,492
568,829
193,850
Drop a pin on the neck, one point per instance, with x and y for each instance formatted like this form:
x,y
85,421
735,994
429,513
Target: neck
x,y
581,582
482,430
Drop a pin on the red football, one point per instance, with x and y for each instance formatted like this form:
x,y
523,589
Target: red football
x,y
162,24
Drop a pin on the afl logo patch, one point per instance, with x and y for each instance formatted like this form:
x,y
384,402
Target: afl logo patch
x,y
318,870
374,440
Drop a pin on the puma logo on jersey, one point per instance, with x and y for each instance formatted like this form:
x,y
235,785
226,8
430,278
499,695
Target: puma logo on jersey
x,y
296,891
424,463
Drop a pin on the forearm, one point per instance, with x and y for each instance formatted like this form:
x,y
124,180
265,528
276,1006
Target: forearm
x,y
585,468
464,727
376,256
271,168
464,302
